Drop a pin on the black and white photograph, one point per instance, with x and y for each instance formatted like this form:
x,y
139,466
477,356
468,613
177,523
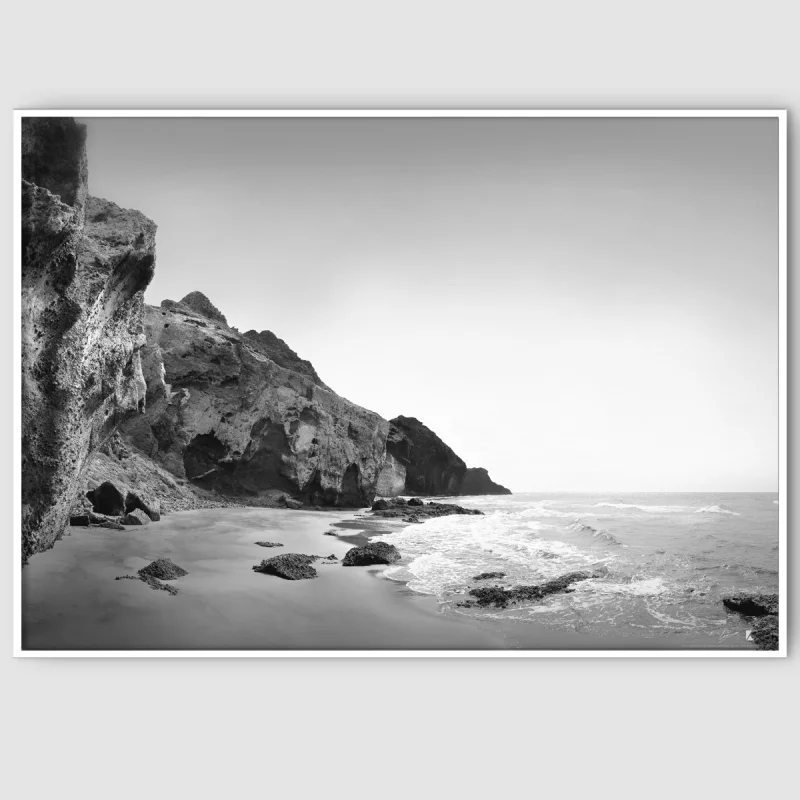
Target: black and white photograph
x,y
500,383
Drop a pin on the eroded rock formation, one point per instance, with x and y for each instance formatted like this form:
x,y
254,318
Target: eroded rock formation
x,y
85,265
477,481
242,414
431,467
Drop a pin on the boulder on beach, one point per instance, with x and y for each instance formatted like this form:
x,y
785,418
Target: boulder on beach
x,y
289,502
488,576
110,524
151,507
136,517
269,544
381,504
751,604
163,569
289,566
107,499
372,553
415,501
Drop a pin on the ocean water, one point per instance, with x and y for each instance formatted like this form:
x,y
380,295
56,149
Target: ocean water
x,y
666,559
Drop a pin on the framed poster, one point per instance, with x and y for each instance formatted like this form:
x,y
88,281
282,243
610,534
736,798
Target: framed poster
x,y
497,383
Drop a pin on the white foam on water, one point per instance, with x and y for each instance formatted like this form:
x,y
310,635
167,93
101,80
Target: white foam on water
x,y
717,510
648,509
441,556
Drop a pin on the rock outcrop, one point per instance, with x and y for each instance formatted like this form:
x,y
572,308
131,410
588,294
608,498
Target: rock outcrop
x,y
416,510
501,598
372,553
763,609
477,481
432,468
419,462
163,569
290,566
752,605
243,415
85,265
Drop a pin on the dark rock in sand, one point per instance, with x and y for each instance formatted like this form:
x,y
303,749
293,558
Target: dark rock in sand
x,y
151,581
765,632
330,533
108,523
163,569
156,584
269,544
496,596
752,605
92,520
487,576
415,501
107,499
136,517
289,502
290,566
372,553
150,507
381,505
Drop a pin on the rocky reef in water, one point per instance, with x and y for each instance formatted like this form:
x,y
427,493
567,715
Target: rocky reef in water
x,y
762,610
85,266
431,467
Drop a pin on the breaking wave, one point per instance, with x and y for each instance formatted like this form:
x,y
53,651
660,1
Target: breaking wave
x,y
717,510
596,533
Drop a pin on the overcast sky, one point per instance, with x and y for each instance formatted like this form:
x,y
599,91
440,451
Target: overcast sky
x,y
574,304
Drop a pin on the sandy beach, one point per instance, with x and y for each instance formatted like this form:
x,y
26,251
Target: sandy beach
x,y
72,600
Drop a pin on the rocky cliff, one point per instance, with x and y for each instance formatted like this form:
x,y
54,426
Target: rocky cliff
x,y
477,481
243,414
431,467
85,265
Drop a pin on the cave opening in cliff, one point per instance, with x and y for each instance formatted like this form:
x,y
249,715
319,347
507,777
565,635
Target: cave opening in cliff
x,y
262,463
202,456
351,494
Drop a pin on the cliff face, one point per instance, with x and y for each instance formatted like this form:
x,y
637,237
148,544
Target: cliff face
x,y
431,467
85,265
241,414
477,481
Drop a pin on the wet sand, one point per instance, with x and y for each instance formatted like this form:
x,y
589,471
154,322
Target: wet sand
x,y
72,602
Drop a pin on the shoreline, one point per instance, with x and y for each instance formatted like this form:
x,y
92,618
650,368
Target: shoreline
x,y
71,600
529,634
